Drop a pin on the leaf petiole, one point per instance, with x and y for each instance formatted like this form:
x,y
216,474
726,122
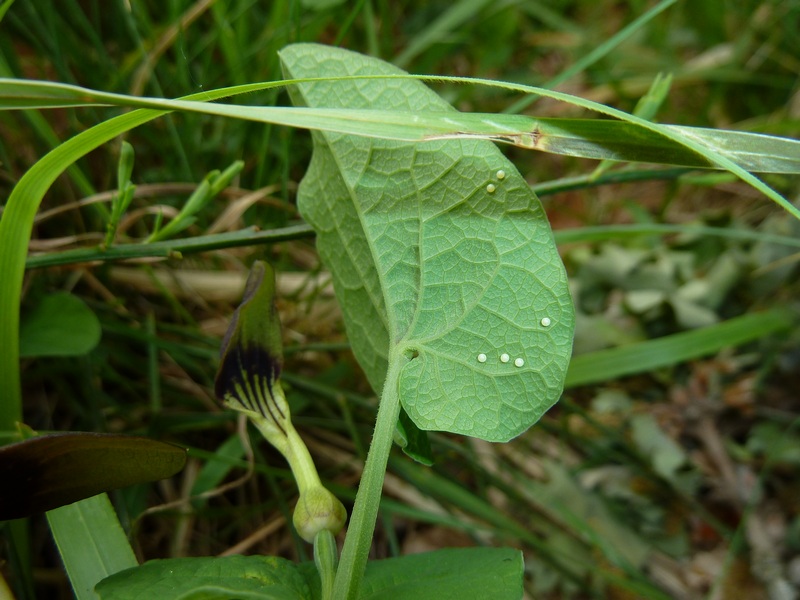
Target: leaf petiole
x,y
368,498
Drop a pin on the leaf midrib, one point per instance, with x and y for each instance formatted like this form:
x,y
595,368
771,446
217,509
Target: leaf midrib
x,y
388,317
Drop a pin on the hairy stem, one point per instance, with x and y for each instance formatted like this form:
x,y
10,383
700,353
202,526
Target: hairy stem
x,y
365,512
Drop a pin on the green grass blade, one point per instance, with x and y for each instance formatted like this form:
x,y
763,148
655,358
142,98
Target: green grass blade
x,y
588,180
91,542
615,140
754,152
4,6
250,236
633,139
601,233
605,365
708,152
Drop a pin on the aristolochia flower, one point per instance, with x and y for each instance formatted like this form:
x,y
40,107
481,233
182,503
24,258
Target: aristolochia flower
x,y
248,381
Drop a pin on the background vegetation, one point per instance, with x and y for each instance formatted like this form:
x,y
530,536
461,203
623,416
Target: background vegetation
x,y
676,482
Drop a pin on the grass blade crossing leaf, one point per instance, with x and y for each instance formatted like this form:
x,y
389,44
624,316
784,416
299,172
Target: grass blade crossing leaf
x,y
625,140
438,250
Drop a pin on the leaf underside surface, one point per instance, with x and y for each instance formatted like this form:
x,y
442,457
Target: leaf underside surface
x,y
442,257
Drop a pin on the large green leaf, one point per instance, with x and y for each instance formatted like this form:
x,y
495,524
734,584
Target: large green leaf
x,y
242,577
449,574
442,257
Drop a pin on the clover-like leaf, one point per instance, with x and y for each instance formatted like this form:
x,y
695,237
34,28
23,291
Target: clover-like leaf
x,y
60,325
442,257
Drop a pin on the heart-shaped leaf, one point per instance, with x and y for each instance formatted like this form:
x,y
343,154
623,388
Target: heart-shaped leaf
x,y
442,258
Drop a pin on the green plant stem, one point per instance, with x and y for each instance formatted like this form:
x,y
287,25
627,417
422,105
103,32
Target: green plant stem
x,y
365,511
325,557
250,236
294,450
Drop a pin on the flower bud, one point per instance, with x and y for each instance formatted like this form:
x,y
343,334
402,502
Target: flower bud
x,y
318,510
248,381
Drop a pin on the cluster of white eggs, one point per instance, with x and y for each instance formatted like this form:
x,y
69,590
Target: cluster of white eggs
x,y
545,322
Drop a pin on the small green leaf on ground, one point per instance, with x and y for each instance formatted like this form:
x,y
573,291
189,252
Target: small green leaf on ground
x,y
60,325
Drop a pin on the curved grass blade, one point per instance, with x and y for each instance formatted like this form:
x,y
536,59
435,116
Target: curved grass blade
x,y
624,140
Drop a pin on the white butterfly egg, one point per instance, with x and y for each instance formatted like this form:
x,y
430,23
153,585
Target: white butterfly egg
x,y
504,358
491,188
519,362
501,174
481,358
545,321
